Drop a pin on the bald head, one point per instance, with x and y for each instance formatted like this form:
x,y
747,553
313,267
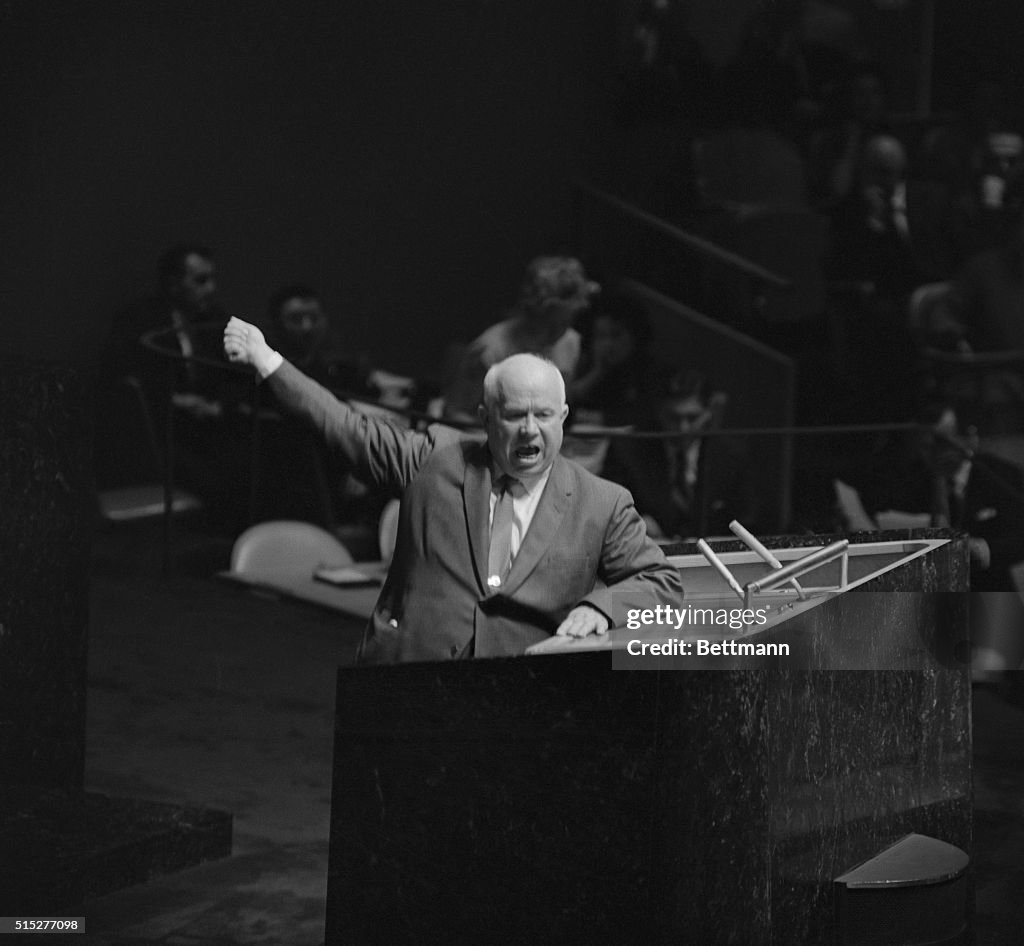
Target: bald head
x,y
883,163
885,153
517,370
523,411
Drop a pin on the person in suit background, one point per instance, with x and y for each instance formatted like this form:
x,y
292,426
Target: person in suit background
x,y
686,485
189,380
942,471
316,487
502,543
304,332
301,329
889,236
185,299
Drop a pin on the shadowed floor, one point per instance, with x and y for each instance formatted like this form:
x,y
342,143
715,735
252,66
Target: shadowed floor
x,y
201,691
201,694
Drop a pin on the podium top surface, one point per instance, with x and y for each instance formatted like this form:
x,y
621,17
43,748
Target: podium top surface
x,y
707,588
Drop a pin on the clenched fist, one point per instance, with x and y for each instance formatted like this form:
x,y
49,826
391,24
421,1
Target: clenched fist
x,y
244,344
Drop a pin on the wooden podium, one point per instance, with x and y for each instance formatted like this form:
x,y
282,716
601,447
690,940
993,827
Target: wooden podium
x,y
569,797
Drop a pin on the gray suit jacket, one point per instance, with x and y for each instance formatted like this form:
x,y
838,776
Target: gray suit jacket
x,y
586,539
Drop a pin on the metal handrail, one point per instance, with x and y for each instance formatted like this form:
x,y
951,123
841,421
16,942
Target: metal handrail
x,y
698,245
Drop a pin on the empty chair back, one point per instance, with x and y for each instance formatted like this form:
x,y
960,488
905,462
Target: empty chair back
x,y
284,549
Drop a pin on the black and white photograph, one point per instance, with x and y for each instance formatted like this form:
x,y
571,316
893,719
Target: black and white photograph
x,y
527,472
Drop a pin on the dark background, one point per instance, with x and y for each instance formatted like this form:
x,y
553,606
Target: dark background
x,y
405,158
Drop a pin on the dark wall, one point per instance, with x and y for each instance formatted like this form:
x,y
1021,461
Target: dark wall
x,y
977,41
45,533
405,158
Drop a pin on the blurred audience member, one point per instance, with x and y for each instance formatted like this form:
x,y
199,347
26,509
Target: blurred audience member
x,y
889,230
940,473
939,470
319,488
983,313
984,206
947,153
887,239
660,63
836,151
555,292
685,485
987,297
613,377
300,327
209,450
791,54
871,232
185,300
612,386
301,330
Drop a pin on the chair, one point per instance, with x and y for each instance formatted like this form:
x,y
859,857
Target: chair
x,y
284,550
132,433
387,529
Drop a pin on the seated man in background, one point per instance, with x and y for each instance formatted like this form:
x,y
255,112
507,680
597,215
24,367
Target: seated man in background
x,y
185,299
298,477
554,293
207,449
983,312
987,297
982,199
941,476
501,543
301,330
683,485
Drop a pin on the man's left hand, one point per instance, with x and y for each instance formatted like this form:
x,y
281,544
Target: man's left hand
x,y
582,621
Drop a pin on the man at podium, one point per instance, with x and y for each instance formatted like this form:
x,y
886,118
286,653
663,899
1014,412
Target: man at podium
x,y
501,542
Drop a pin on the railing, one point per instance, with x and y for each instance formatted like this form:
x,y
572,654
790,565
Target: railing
x,y
697,245
157,341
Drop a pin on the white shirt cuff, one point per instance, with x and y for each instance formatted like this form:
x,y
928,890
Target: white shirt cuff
x,y
269,365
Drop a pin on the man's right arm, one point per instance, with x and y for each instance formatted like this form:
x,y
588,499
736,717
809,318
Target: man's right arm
x,y
378,450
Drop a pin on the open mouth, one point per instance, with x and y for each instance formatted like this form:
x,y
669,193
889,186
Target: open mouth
x,y
527,453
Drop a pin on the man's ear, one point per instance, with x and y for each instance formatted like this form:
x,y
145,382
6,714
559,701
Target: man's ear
x,y
565,412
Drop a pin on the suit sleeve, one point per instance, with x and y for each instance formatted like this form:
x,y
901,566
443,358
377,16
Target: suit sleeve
x,y
631,562
379,451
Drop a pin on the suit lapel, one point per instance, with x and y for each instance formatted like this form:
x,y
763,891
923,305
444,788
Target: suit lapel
x,y
476,497
547,520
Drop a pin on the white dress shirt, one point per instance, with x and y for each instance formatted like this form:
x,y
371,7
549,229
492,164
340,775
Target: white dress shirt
x,y
526,493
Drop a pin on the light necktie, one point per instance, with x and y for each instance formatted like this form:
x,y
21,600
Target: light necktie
x,y
499,558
